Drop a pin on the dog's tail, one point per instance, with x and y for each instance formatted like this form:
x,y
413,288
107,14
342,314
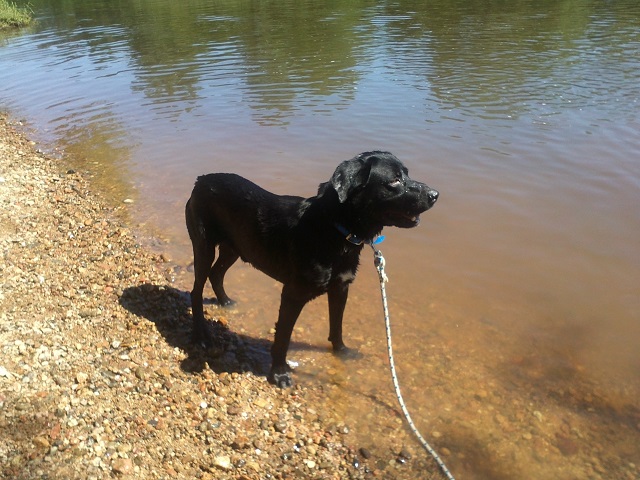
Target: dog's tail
x,y
191,217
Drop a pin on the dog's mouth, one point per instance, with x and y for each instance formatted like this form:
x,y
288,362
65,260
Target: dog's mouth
x,y
415,220
405,219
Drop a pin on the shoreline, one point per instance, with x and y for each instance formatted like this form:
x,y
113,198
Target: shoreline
x,y
97,374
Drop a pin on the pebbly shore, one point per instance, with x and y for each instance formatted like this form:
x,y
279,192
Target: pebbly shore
x,y
98,378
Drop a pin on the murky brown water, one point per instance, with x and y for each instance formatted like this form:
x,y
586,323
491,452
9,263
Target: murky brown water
x,y
515,304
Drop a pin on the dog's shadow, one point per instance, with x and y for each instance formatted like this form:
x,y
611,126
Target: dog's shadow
x,y
169,310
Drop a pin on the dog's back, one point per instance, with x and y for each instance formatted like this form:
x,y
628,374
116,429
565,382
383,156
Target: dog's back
x,y
226,208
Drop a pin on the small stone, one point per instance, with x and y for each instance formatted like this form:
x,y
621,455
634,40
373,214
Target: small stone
x,y
280,427
566,445
223,462
598,467
366,454
325,464
82,377
171,471
234,410
122,466
140,373
222,391
260,402
240,443
404,455
41,442
124,448
481,395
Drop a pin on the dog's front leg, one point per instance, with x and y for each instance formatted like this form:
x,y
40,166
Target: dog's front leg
x,y
290,307
337,295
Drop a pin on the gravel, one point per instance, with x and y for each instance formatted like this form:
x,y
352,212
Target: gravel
x,y
98,378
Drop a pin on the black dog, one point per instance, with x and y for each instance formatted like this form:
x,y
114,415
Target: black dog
x,y
311,245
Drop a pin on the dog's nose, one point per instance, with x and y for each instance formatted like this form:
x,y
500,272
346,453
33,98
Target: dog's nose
x,y
433,195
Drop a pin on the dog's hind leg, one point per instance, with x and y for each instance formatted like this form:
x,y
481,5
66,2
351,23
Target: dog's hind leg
x,y
203,255
227,256
204,252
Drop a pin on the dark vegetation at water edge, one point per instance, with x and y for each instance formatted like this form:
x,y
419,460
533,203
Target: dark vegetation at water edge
x,y
13,16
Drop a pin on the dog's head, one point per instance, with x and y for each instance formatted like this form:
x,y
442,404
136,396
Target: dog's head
x,y
377,187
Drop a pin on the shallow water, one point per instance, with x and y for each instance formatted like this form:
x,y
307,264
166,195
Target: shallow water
x,y
515,304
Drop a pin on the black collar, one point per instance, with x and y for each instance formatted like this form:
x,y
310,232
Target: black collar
x,y
354,239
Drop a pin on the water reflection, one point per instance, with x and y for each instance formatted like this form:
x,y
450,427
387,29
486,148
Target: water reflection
x,y
302,57
102,146
515,302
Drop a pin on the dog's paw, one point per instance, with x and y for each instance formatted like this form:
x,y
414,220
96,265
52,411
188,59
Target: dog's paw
x,y
226,302
201,336
201,339
212,349
346,353
281,377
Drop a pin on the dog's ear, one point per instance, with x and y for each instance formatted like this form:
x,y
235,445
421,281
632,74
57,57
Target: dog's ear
x,y
349,175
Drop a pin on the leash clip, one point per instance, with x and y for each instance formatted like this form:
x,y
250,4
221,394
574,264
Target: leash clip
x,y
379,262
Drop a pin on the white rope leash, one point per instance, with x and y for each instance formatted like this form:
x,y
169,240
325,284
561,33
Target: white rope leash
x,y
378,261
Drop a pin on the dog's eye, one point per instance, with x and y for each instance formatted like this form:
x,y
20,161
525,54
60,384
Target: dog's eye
x,y
396,183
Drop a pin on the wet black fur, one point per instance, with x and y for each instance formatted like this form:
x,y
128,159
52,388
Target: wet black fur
x,y
298,241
